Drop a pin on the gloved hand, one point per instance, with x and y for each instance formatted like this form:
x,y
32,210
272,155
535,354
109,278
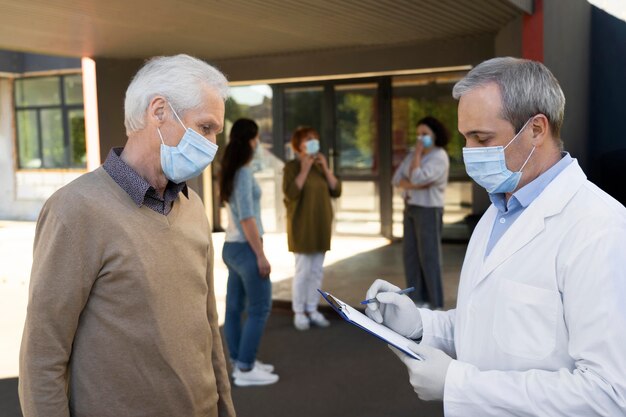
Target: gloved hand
x,y
428,376
395,311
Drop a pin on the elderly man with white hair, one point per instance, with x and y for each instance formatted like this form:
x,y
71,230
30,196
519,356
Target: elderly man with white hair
x,y
121,315
540,320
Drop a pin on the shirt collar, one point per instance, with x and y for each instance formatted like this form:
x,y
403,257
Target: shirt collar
x,y
133,183
528,193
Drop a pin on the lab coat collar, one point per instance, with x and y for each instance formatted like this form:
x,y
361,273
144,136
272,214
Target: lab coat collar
x,y
531,222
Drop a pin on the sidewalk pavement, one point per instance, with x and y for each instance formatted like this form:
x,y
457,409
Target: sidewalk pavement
x,y
336,371
351,265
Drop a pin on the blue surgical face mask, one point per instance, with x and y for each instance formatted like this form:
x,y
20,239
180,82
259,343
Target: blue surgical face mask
x,y
189,158
487,166
312,146
427,140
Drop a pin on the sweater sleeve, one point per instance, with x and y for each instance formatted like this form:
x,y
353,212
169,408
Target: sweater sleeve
x,y
225,402
400,171
336,192
290,189
62,275
431,170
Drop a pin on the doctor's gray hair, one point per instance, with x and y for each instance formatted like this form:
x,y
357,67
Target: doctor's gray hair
x,y
178,78
527,88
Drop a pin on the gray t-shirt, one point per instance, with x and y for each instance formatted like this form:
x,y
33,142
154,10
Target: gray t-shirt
x,y
433,170
245,202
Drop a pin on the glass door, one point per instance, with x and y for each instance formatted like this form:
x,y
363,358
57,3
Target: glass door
x,y
414,97
302,107
356,158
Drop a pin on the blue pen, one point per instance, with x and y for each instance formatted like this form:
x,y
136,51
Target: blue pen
x,y
404,291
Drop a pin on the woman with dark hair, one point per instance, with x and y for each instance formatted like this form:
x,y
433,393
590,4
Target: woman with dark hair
x,y
423,176
249,288
308,185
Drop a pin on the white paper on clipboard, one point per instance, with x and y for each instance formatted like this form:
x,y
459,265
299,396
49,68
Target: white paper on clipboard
x,y
352,315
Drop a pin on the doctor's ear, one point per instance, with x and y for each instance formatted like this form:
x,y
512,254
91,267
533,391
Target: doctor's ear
x,y
540,129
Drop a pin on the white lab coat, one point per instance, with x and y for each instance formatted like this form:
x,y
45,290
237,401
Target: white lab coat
x,y
540,323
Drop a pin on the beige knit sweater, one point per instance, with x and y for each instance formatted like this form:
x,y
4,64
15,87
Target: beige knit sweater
x,y
121,315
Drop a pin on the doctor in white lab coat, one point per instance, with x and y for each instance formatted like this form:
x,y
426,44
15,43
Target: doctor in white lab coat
x,y
540,323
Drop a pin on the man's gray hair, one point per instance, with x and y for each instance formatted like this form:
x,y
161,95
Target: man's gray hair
x,y
527,88
178,78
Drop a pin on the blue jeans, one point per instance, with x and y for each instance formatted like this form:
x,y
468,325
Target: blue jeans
x,y
246,292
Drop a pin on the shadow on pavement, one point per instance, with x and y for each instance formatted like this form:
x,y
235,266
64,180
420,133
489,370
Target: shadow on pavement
x,y
338,371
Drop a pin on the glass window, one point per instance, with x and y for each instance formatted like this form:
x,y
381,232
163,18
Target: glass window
x,y
27,131
252,102
415,97
302,107
76,123
356,128
52,138
73,85
50,122
37,92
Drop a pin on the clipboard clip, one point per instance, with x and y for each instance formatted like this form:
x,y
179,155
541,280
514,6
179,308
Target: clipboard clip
x,y
339,306
336,303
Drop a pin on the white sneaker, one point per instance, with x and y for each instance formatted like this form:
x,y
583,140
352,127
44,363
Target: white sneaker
x,y
318,319
255,376
257,364
264,366
301,321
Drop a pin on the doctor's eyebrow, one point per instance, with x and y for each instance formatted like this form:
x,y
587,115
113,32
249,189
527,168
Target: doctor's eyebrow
x,y
477,133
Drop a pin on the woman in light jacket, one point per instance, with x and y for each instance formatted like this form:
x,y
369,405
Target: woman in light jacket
x,y
308,185
423,177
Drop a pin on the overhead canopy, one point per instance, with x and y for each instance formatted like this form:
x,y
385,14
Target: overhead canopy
x,y
240,28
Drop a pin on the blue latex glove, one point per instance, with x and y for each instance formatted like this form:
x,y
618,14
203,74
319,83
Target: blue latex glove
x,y
395,311
428,376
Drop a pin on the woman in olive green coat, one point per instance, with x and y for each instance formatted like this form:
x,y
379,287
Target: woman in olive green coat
x,y
308,185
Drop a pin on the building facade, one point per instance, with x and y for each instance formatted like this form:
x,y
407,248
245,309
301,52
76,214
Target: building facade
x,y
362,80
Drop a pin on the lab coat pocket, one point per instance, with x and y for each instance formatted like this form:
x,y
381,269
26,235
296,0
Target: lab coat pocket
x,y
525,320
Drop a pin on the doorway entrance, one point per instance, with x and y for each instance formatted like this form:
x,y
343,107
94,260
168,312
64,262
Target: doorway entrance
x,y
348,116
366,127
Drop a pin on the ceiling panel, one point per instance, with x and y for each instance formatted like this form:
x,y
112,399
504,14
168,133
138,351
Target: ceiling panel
x,y
219,29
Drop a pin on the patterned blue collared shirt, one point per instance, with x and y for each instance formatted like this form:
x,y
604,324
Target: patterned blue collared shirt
x,y
139,190
509,211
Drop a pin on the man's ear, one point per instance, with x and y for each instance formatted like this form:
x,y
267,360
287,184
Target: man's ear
x,y
540,129
156,110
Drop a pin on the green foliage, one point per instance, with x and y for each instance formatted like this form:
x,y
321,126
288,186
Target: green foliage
x,y
79,148
356,124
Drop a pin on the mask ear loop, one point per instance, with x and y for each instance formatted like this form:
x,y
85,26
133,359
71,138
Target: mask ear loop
x,y
160,135
525,162
175,114
518,133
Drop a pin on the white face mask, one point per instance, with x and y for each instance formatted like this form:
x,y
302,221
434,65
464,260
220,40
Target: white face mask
x,y
312,146
189,158
487,166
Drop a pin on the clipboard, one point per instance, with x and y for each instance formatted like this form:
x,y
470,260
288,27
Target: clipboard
x,y
360,320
